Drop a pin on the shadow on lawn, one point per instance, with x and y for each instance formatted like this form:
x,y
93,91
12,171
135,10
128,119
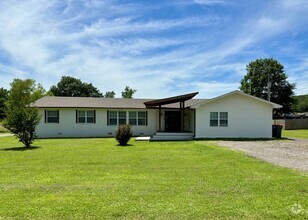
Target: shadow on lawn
x,y
20,148
127,145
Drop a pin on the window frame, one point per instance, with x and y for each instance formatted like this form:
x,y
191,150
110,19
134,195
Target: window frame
x,y
222,119
122,117
212,119
129,115
139,118
85,117
47,117
109,114
133,118
226,119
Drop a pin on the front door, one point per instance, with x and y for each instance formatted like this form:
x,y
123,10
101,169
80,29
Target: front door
x,y
173,121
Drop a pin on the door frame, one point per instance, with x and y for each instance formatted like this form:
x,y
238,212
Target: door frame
x,y
179,120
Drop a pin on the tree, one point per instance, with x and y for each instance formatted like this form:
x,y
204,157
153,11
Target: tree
x,y
24,92
70,86
262,71
22,123
128,92
302,103
4,93
40,92
109,94
21,118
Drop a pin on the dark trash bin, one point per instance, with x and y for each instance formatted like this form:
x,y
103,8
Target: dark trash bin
x,y
276,131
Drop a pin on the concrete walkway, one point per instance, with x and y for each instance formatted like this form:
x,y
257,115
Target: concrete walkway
x,y
5,134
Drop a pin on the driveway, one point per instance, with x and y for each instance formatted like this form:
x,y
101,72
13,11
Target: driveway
x,y
291,153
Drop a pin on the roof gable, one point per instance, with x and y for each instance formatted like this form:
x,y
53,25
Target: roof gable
x,y
274,105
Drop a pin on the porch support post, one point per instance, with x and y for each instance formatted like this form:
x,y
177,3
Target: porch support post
x,y
183,114
159,119
182,106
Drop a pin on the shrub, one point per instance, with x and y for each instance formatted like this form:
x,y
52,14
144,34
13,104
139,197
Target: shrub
x,y
123,134
22,122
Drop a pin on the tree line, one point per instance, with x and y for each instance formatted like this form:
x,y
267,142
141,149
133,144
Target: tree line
x,y
27,91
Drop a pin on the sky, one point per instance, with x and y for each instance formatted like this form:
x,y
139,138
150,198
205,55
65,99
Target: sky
x,y
160,48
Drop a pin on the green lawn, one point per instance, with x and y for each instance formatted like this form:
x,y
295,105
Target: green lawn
x,y
96,179
2,129
295,133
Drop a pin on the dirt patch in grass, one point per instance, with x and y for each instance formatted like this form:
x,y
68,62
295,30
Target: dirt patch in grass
x,y
291,153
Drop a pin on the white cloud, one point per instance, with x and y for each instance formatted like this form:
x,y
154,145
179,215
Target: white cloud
x,y
210,2
111,45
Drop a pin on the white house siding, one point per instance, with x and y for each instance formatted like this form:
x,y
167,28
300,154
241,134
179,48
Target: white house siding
x,y
67,126
247,118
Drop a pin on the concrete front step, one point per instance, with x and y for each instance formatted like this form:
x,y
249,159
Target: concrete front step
x,y
171,138
174,134
168,136
142,138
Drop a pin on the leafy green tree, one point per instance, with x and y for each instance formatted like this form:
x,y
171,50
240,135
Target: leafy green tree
x,y
4,94
109,94
70,86
22,123
40,92
24,92
302,103
20,93
21,118
262,71
128,92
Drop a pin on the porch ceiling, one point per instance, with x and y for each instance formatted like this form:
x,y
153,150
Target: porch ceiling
x,y
170,100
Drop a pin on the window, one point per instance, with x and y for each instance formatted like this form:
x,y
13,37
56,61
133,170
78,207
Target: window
x,y
81,118
122,118
142,119
90,116
52,116
113,118
223,119
85,116
132,118
214,119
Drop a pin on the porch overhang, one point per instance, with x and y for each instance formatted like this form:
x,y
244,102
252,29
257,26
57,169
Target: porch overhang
x,y
170,100
175,99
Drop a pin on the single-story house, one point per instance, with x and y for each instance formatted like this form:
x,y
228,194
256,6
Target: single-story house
x,y
232,115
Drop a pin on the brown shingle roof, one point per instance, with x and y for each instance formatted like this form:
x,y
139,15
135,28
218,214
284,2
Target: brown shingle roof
x,y
86,102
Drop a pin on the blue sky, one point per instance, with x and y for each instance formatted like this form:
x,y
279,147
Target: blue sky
x,y
159,47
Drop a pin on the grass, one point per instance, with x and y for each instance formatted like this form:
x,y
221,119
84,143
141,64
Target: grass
x,y
303,133
3,129
96,179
